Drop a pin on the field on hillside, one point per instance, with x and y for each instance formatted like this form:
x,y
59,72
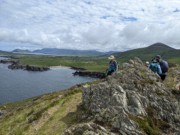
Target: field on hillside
x,y
98,64
88,63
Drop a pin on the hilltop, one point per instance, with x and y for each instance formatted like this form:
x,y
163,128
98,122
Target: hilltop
x,y
146,54
132,101
21,51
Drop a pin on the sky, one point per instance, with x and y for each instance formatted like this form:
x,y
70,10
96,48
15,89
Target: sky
x,y
103,25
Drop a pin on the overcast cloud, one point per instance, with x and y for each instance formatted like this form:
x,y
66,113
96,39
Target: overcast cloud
x,y
89,24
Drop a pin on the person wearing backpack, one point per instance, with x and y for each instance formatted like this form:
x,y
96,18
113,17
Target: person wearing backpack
x,y
155,67
113,66
164,66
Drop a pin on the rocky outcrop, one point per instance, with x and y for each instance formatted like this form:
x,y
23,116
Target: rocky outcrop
x,y
34,68
27,67
86,129
90,74
175,75
14,64
133,101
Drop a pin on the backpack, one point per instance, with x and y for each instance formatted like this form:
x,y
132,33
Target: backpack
x,y
113,66
164,66
154,67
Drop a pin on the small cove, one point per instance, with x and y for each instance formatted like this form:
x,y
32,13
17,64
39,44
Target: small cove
x,y
16,85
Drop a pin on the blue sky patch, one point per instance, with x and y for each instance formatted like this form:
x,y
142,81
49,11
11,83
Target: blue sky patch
x,y
88,2
129,19
176,10
105,17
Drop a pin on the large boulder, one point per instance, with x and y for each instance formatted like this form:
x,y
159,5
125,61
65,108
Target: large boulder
x,y
133,101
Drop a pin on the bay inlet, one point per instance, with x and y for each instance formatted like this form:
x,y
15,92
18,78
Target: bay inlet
x,y
16,85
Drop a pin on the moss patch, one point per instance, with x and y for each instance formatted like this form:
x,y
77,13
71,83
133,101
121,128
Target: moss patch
x,y
150,124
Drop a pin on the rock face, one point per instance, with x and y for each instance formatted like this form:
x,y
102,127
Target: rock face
x,y
133,101
176,76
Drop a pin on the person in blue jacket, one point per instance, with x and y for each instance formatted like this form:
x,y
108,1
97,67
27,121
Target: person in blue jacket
x,y
113,66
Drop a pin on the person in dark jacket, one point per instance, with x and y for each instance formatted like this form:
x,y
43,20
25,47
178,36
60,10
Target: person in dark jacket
x,y
164,66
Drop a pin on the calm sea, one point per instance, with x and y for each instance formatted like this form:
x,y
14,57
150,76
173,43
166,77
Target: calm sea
x,y
17,85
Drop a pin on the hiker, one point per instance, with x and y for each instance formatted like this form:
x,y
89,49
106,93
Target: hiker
x,y
113,66
164,66
155,67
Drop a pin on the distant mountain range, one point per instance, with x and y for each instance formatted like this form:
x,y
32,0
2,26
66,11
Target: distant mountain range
x,y
63,52
147,53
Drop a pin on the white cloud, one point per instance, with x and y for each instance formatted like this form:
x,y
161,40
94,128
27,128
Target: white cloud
x,y
86,24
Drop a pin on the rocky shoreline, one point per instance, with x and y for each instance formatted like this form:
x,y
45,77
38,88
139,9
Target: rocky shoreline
x,y
90,74
17,65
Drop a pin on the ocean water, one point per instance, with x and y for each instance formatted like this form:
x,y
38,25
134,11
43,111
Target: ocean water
x,y
17,85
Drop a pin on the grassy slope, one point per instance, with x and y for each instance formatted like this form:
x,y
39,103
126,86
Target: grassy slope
x,y
47,114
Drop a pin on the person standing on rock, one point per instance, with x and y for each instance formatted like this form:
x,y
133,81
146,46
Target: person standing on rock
x,y
164,66
147,64
113,66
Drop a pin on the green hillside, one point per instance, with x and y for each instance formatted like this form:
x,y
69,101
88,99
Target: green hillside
x,y
146,54
46,114
4,53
